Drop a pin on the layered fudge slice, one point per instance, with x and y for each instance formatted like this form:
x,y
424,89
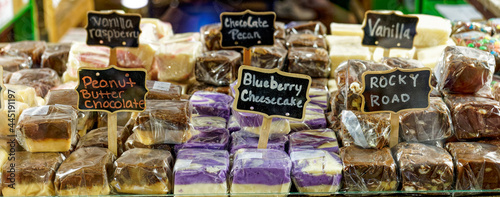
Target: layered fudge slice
x,y
268,57
199,171
211,139
431,30
34,174
253,122
56,57
365,130
219,68
343,48
233,124
99,138
33,49
163,91
211,104
299,27
132,142
42,79
424,167
314,118
310,61
13,62
203,122
306,40
85,172
25,94
50,128
143,171
477,165
247,140
6,116
261,171
211,36
316,171
318,139
368,169
82,55
176,61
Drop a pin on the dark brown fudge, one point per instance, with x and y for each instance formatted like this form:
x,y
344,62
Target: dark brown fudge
x,y
298,27
207,87
375,129
158,91
314,62
56,57
42,79
33,49
219,68
211,36
279,31
268,57
99,138
306,40
13,62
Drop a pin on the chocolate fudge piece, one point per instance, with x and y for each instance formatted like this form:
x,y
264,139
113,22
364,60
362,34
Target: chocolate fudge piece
x,y
424,167
143,171
33,49
368,169
474,117
99,138
13,62
197,86
219,68
163,91
477,165
317,139
85,172
211,36
431,124
212,139
203,122
211,104
246,140
50,128
365,130
306,40
316,171
56,57
298,27
132,142
42,79
310,61
279,30
268,57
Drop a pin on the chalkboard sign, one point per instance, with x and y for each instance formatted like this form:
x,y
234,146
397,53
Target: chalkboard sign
x,y
396,90
272,93
389,30
247,29
112,89
113,29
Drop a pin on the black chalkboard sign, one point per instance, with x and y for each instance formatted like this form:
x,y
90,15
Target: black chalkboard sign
x,y
396,90
389,30
247,29
272,93
113,29
112,89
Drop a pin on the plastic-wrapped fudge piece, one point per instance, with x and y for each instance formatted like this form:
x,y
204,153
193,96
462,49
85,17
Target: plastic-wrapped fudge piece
x,y
247,140
477,165
233,124
343,48
82,55
25,94
4,143
5,115
474,117
211,36
365,130
163,122
34,174
346,29
431,124
219,68
306,40
314,118
33,49
163,91
42,79
431,30
99,138
252,123
310,61
495,142
211,139
465,70
378,53
424,167
261,171
268,57
176,61
279,30
50,128
132,142
197,86
143,171
199,171
317,139
6,76
13,62
211,104
182,37
462,26
203,122
56,57
316,171
299,27
319,96
122,118
368,169
496,91
85,172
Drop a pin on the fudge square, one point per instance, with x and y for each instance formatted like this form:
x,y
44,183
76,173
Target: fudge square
x,y
316,170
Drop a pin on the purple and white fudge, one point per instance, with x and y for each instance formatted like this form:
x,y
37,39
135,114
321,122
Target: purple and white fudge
x,y
314,119
202,122
200,171
253,123
261,171
319,96
316,170
318,139
211,104
233,124
247,140
213,139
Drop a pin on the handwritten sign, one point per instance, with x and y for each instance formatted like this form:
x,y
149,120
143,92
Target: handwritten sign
x,y
396,90
113,29
112,89
247,29
272,93
389,30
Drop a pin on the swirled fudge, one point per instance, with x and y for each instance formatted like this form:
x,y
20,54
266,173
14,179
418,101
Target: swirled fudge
x,y
316,171
310,61
132,142
211,36
314,118
365,130
204,122
42,79
317,139
210,139
268,57
211,104
306,40
247,140
219,68
298,27
99,138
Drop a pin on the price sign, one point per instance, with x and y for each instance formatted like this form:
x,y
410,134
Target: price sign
x,y
113,29
389,30
247,29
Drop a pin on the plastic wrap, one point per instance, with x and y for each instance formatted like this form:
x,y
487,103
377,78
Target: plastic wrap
x,y
368,169
99,138
42,79
210,139
365,130
219,68
33,176
163,91
314,118
465,70
462,26
474,117
211,104
56,57
253,122
318,139
85,172
424,167
482,42
160,29
314,62
199,171
316,171
211,36
163,122
247,140
122,118
33,49
233,125
82,55
268,57
6,118
176,61
182,37
203,122
477,165
143,171
6,76
496,91
50,128
306,40
13,62
197,86
431,124
132,142
4,143
279,30
299,27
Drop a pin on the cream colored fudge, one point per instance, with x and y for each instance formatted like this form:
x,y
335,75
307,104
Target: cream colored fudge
x,y
431,31
345,29
22,93
176,61
10,111
343,48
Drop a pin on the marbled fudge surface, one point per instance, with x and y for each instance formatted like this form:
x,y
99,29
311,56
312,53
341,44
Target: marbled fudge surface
x,y
316,170
196,166
243,139
211,103
261,166
318,139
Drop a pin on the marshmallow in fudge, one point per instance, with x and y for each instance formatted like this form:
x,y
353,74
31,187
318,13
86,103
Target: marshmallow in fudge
x,y
33,49
268,57
261,171
56,57
163,91
42,79
211,104
219,68
99,138
318,139
314,62
232,124
34,174
6,115
82,55
246,140
143,171
85,172
132,142
365,130
200,171
176,61
12,62
49,128
210,139
368,169
316,170
314,118
202,122
424,167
